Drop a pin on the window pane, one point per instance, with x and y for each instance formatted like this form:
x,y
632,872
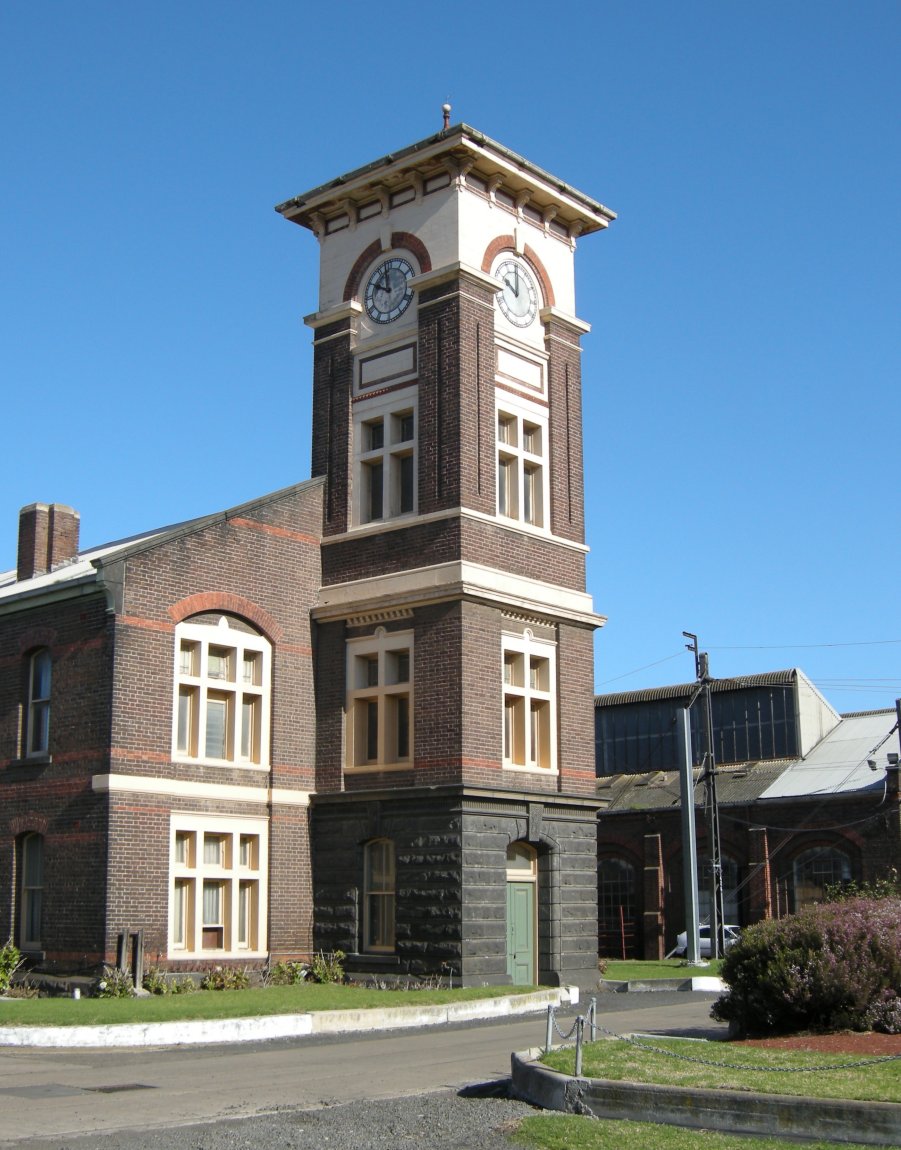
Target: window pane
x,y
250,742
252,668
379,883
212,904
40,676
405,427
372,730
214,850
506,429
39,728
188,658
186,741
373,474
406,484
374,435
402,726
531,495
247,899
531,438
179,913
398,666
506,487
217,727
220,663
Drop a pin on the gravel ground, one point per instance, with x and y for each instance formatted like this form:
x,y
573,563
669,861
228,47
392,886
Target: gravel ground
x,y
440,1121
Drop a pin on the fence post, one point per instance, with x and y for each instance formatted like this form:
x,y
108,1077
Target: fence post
x,y
593,1015
580,1025
549,1032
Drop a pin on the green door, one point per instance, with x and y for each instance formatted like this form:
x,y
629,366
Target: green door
x,y
521,933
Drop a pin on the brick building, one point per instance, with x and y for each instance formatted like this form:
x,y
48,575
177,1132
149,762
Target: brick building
x,y
356,713
806,797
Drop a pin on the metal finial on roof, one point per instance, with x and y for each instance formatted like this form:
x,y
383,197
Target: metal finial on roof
x,y
446,109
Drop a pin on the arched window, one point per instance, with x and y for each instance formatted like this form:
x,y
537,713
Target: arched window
x,y
222,677
617,907
378,895
729,874
31,889
815,869
37,726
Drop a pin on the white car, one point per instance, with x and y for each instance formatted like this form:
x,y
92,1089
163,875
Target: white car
x,y
730,938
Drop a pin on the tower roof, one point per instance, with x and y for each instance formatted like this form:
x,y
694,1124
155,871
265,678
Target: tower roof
x,y
458,150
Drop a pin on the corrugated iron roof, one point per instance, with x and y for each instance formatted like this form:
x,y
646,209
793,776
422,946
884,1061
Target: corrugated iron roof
x,y
685,690
659,790
839,762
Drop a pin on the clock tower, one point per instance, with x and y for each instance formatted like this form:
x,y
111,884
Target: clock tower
x,y
453,828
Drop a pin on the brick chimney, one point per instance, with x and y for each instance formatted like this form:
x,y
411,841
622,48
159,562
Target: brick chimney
x,y
48,538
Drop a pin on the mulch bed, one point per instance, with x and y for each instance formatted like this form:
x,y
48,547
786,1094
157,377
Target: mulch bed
x,y
848,1042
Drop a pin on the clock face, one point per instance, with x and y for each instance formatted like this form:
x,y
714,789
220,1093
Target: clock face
x,y
388,292
518,296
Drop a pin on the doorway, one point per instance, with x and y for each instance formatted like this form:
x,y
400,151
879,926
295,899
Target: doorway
x,y
522,875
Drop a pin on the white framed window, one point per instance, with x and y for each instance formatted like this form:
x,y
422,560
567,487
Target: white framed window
x,y
380,699
522,451
218,880
386,457
37,725
379,895
530,703
221,707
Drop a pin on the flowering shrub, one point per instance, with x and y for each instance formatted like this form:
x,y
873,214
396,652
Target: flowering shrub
x,y
822,969
885,1013
114,983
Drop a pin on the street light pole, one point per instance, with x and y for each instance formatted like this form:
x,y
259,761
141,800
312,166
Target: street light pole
x,y
717,921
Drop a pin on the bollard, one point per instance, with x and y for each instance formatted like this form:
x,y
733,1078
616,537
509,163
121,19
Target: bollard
x,y
580,1026
549,1033
593,1016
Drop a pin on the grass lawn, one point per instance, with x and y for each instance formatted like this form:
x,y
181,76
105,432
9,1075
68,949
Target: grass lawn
x,y
229,1004
667,968
571,1132
745,1068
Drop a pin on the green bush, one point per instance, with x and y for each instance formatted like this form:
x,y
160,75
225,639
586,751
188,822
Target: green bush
x,y
10,961
156,982
114,983
287,973
225,978
822,969
327,967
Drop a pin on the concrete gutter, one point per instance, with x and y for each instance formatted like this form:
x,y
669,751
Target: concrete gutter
x,y
229,1030
733,1111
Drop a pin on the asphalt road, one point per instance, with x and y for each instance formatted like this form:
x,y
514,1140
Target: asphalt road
x,y
204,1096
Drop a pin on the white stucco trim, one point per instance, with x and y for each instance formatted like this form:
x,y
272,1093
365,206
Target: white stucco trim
x,y
185,788
458,578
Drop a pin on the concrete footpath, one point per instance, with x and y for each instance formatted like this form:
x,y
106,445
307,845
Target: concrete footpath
x,y
260,1029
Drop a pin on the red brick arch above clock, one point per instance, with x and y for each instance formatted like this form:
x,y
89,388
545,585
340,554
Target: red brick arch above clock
x,y
403,240
507,243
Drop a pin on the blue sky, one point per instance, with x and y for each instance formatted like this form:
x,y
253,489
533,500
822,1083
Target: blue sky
x,y
741,378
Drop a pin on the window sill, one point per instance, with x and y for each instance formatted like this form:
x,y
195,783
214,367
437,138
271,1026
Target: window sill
x,y
369,768
521,768
224,764
32,761
195,955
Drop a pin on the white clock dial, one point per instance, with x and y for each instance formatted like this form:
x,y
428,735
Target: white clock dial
x,y
388,292
518,296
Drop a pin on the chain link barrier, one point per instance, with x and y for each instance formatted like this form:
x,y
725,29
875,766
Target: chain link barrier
x,y
578,1028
